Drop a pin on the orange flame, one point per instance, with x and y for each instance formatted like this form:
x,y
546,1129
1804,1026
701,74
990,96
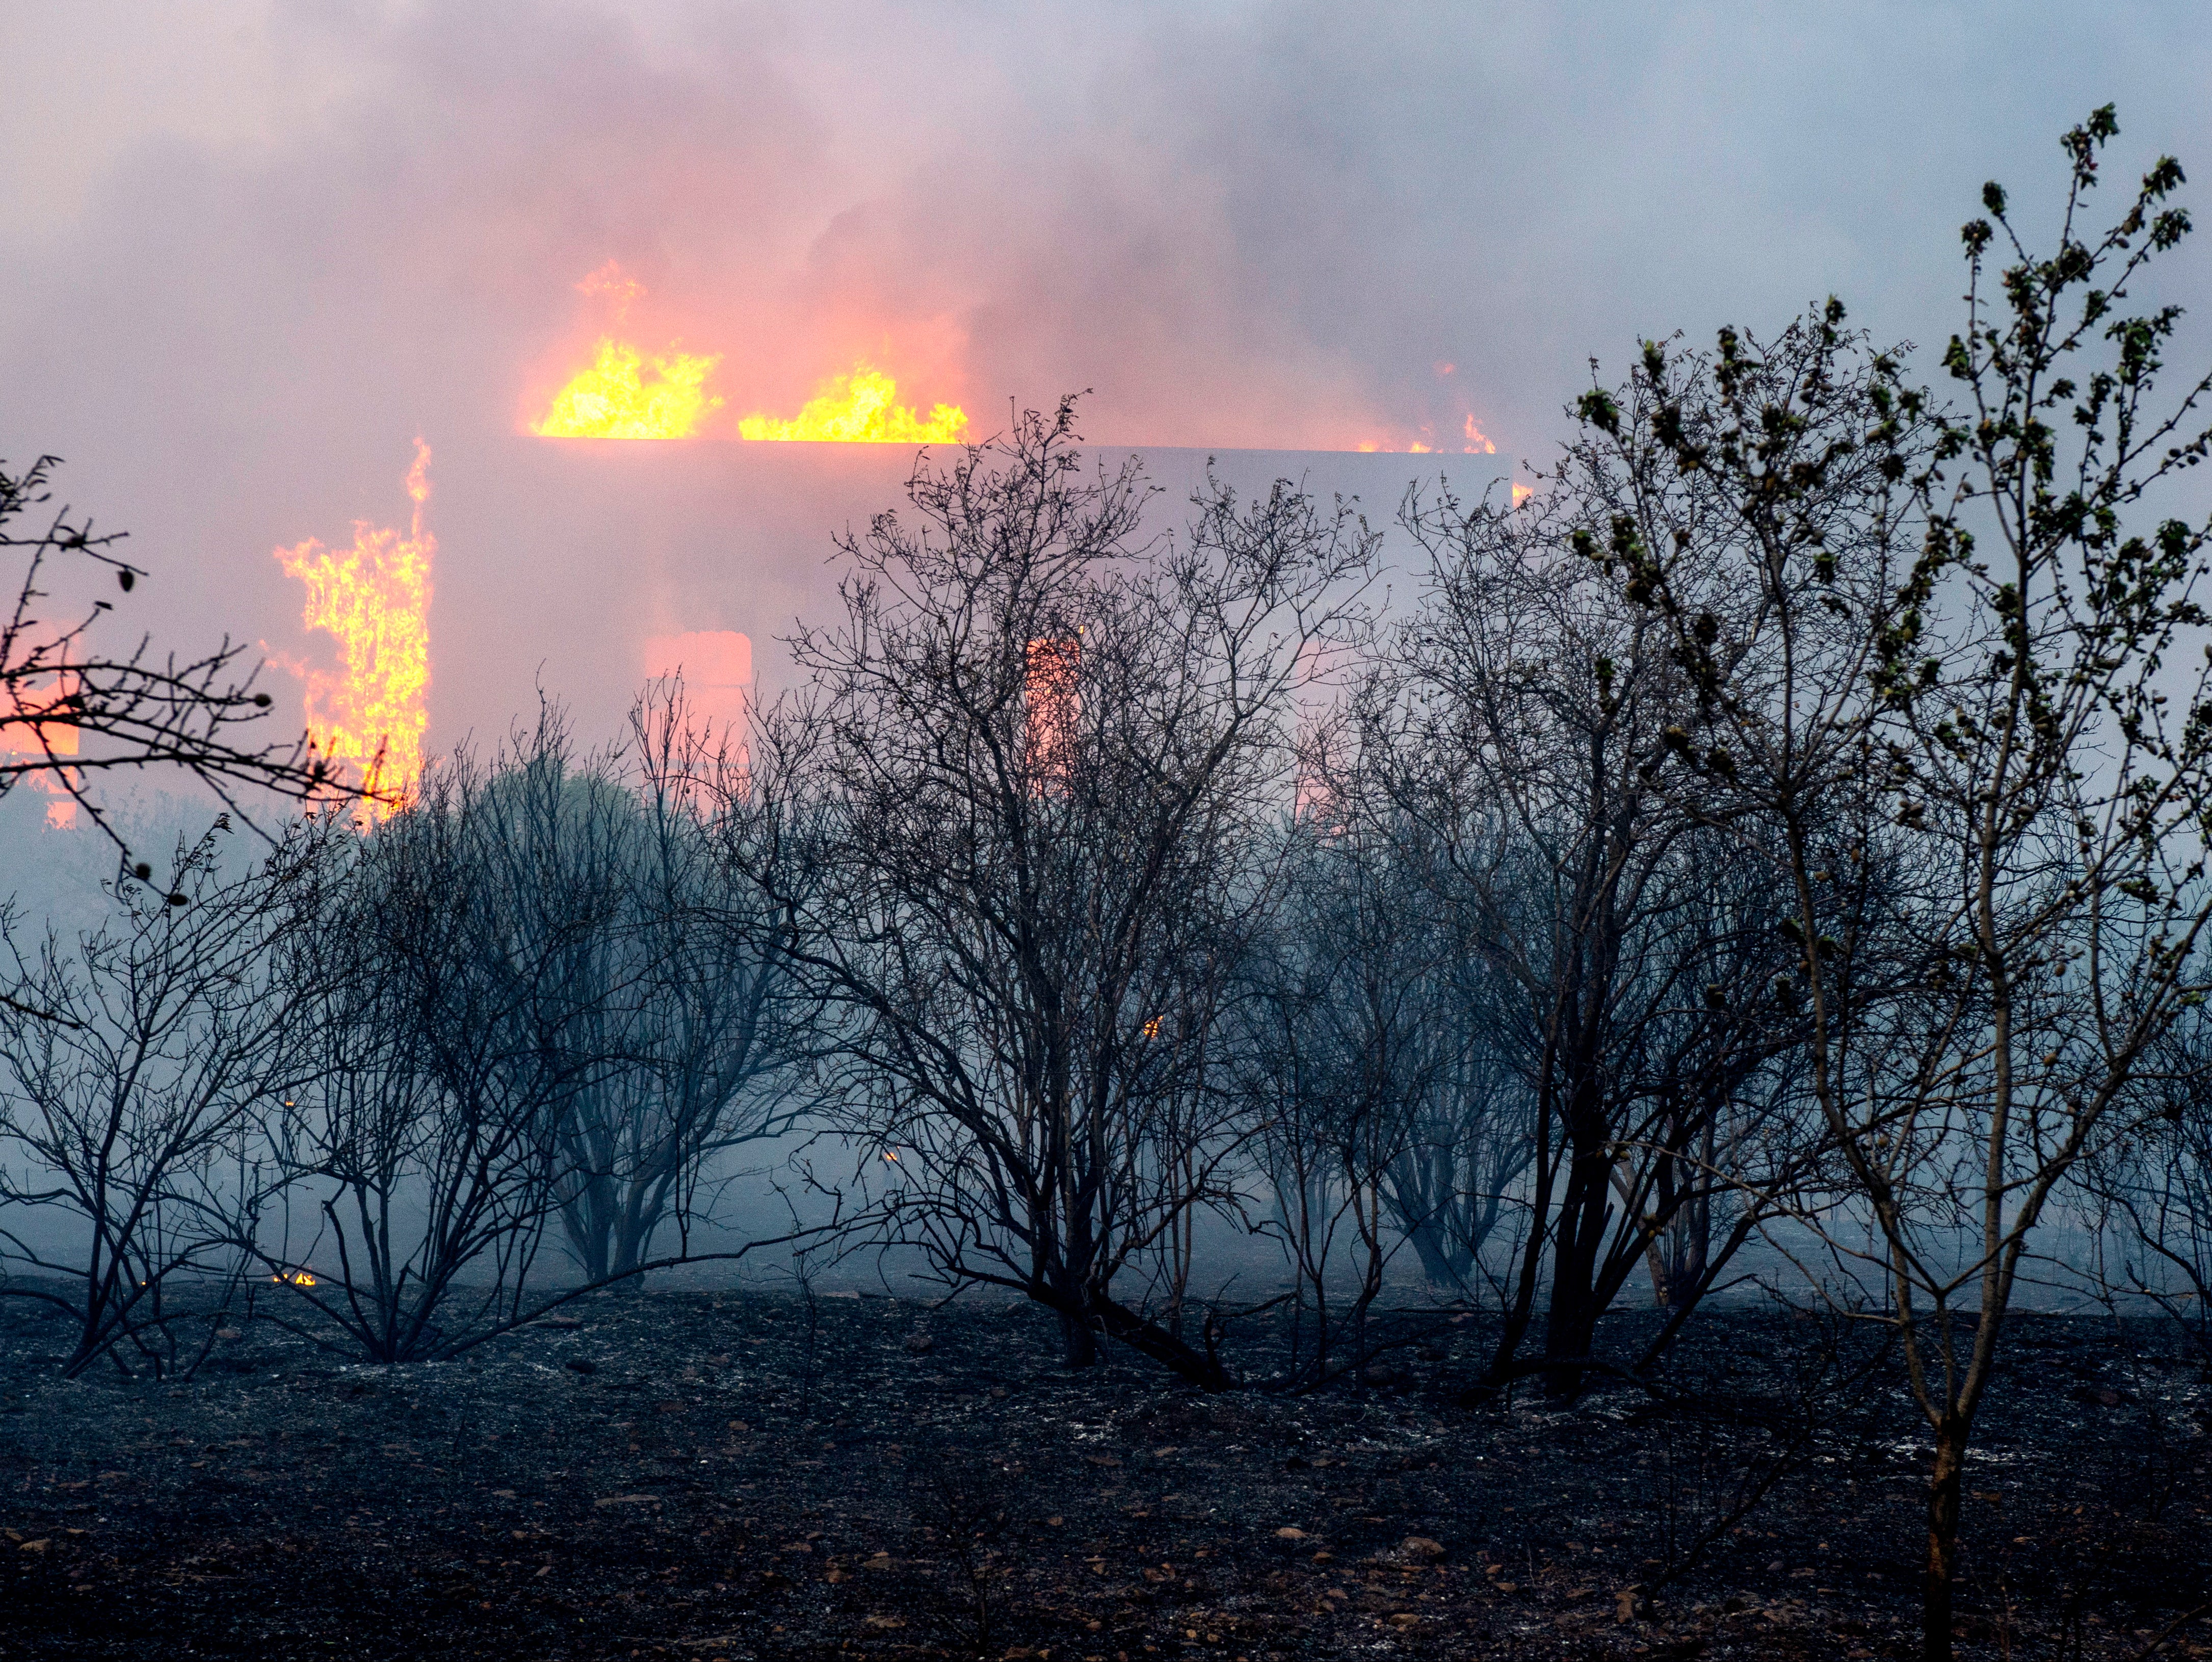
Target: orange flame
x,y
624,394
294,1278
861,408
23,734
368,719
615,400
1478,443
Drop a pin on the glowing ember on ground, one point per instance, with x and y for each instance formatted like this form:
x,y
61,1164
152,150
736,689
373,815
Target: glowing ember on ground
x,y
368,718
861,408
624,395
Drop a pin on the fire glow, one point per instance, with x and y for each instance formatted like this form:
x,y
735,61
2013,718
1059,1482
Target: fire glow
x,y
716,666
625,396
627,392
625,388
861,408
1478,443
1052,694
367,720
624,392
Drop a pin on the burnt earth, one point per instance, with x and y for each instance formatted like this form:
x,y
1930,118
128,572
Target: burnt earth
x,y
731,1475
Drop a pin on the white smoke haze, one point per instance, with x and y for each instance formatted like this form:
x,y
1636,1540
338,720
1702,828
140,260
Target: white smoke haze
x,y
249,250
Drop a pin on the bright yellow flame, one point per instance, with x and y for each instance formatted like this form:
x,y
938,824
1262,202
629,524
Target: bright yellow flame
x,y
1521,493
861,408
368,719
294,1278
615,398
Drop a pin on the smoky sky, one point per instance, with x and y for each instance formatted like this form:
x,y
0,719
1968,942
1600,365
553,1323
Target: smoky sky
x,y
249,250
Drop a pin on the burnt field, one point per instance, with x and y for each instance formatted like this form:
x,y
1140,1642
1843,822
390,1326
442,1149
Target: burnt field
x,y
752,1475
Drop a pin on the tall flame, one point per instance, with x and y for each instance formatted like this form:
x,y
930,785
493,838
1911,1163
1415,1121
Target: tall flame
x,y
861,408
625,395
368,719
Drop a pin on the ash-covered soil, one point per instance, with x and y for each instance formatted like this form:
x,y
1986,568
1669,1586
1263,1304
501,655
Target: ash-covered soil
x,y
724,1475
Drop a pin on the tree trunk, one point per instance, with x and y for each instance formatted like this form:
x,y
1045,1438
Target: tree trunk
x,y
1519,1312
1518,1315
1571,1324
1078,1344
586,1218
1943,1485
1438,1262
1663,1288
1202,1368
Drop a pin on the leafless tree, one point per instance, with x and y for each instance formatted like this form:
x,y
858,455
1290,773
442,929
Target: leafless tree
x,y
1953,610
133,1059
445,956
1042,748
1627,957
1461,1175
693,1017
60,688
2150,1186
1348,1042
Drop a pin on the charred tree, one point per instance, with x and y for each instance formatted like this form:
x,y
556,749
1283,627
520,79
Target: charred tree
x,y
61,685
134,1060
1034,770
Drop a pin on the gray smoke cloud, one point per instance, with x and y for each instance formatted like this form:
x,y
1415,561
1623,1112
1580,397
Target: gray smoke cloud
x,y
249,250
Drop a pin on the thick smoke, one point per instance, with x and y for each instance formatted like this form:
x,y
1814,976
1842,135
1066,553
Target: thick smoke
x,y
252,249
